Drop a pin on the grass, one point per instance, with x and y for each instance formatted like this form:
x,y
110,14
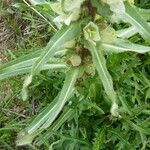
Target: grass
x,y
30,36
86,123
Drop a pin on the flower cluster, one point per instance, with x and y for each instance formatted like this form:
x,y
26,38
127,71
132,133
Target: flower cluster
x,y
67,10
117,7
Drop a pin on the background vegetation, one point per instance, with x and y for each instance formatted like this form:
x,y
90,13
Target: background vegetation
x,y
22,31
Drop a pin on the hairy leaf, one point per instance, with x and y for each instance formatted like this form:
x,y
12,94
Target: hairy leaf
x,y
123,46
55,44
69,113
46,118
134,17
17,70
128,32
100,64
145,13
24,64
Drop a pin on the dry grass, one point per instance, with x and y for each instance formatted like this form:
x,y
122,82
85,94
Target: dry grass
x,y
6,41
6,35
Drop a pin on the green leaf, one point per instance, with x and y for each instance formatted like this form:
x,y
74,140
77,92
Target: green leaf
x,y
99,141
36,2
138,127
57,41
28,59
125,105
120,45
127,32
100,64
94,106
145,13
147,95
67,114
18,70
65,94
122,138
102,8
22,60
24,64
46,118
133,16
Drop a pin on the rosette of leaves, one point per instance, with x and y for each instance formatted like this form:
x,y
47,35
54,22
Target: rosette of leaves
x,y
83,26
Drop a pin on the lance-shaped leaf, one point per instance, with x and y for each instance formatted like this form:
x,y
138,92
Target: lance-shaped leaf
x,y
128,32
65,94
66,115
57,41
99,61
46,118
145,13
120,45
24,64
24,60
103,9
133,17
100,64
6,73
18,69
28,59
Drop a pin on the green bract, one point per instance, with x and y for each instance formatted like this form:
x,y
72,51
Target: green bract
x,y
91,33
84,39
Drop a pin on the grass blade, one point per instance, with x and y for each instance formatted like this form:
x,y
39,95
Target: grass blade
x,y
56,42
